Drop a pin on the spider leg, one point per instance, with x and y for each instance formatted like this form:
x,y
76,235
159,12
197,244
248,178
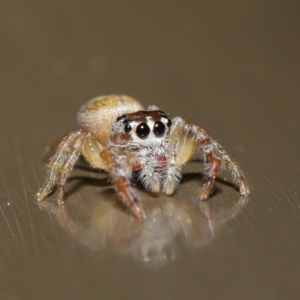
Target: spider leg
x,y
120,172
185,139
51,149
216,157
212,169
61,164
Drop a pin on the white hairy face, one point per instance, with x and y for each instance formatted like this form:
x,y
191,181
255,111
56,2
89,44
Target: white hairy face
x,y
143,128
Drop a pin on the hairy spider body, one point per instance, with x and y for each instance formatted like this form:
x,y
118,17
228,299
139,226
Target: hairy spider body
x,y
118,135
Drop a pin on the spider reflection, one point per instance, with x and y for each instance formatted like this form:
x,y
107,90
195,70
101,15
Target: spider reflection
x,y
156,240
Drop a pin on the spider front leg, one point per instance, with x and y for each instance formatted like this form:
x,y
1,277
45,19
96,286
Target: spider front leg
x,y
120,171
184,140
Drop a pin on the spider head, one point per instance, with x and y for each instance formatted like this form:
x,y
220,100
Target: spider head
x,y
142,128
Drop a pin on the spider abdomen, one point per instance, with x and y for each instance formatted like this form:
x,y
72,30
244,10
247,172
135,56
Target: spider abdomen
x,y
98,114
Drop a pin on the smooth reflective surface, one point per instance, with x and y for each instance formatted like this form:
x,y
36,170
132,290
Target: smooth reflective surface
x,y
232,68
170,225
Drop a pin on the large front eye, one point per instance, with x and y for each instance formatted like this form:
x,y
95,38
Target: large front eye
x,y
159,128
142,130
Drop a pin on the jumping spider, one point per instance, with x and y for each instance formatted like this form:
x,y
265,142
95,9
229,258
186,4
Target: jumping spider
x,y
117,135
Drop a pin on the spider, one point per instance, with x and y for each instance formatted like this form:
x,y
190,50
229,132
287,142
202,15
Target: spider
x,y
118,135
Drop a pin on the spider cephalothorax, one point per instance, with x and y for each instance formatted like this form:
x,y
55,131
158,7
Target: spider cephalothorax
x,y
116,134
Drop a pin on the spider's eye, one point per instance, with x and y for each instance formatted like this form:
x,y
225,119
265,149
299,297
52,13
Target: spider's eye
x,y
169,123
159,128
127,128
143,131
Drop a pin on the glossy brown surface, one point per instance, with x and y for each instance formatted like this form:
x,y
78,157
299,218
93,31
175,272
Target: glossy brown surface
x,y
232,68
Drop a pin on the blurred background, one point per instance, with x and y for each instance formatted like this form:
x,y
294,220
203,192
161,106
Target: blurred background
x,y
231,67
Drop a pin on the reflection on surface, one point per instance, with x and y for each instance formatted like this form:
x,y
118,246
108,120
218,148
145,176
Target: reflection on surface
x,y
170,224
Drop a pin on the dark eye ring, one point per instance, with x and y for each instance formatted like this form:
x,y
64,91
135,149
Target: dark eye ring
x,y
143,131
159,128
